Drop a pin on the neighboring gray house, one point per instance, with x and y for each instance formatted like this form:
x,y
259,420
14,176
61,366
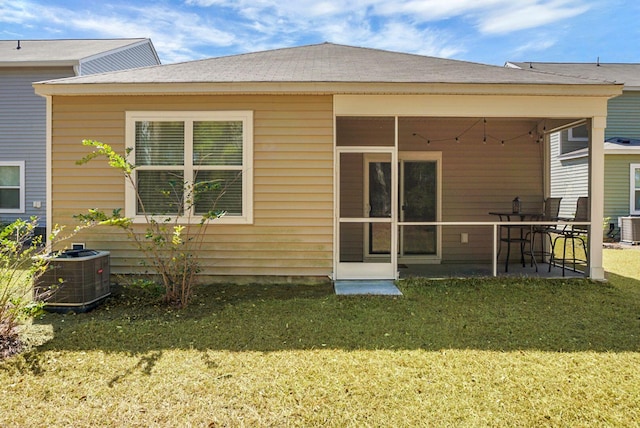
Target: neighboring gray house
x,y
23,113
569,154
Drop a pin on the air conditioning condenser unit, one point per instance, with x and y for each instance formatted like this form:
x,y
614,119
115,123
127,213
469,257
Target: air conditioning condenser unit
x,y
630,230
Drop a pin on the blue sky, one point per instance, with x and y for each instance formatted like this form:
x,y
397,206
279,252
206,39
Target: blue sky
x,y
487,31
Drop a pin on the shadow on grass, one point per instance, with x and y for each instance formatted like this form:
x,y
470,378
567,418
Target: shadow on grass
x,y
483,314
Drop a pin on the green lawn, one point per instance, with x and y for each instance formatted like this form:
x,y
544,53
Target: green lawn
x,y
491,352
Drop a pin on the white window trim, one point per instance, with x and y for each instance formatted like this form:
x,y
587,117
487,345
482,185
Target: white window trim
x,y
20,210
570,136
246,117
632,188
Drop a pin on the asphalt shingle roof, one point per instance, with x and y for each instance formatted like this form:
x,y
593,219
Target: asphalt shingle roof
x,y
42,51
628,74
328,62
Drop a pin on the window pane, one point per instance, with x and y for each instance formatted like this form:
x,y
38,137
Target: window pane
x,y
10,176
419,191
162,192
219,191
579,132
637,174
637,200
217,143
159,143
9,199
380,189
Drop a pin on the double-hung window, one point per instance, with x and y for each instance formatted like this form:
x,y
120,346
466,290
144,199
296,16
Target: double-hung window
x,y
189,164
12,187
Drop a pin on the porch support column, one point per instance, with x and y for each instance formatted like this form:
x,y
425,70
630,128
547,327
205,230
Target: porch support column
x,y
596,196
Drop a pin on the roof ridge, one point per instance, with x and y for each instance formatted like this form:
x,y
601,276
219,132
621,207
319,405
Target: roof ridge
x,y
574,63
555,73
75,40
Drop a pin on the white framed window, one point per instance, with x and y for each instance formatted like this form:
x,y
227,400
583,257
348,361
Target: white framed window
x,y
634,197
189,163
579,133
12,186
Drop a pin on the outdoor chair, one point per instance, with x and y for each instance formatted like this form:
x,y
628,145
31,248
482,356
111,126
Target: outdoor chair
x,y
544,232
572,233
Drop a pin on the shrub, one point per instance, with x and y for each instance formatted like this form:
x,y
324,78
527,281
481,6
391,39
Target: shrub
x,y
170,248
21,262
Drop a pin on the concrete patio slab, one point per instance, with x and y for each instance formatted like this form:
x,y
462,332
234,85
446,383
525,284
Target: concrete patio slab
x,y
366,287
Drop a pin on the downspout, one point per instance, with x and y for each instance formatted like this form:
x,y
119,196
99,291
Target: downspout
x,y
48,208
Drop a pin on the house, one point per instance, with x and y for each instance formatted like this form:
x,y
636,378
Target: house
x,y
23,113
333,156
569,148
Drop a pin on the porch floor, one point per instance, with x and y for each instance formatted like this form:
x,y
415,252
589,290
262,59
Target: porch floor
x,y
462,270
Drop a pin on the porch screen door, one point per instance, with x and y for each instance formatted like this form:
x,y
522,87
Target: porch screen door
x,y
367,188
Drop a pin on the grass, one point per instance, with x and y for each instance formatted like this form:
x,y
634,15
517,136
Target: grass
x,y
490,352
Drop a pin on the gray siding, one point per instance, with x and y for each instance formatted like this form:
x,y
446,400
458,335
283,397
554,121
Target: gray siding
x,y
616,186
23,117
570,146
623,118
22,131
569,178
133,57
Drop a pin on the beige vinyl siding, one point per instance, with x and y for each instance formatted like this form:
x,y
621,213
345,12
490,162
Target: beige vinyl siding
x,y
478,179
292,234
623,119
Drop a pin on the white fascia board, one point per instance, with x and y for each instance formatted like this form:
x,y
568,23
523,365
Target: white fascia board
x,y
384,88
30,64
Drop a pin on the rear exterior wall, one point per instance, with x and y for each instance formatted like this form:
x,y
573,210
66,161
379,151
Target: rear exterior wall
x,y
292,232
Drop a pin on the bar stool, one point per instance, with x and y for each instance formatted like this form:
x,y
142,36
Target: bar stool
x,y
573,233
551,211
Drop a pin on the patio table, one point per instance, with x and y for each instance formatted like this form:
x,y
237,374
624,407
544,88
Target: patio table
x,y
521,238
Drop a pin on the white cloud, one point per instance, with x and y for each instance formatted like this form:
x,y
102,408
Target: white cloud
x,y
398,36
16,12
540,44
532,15
432,10
187,29
359,22
384,24
518,14
174,33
